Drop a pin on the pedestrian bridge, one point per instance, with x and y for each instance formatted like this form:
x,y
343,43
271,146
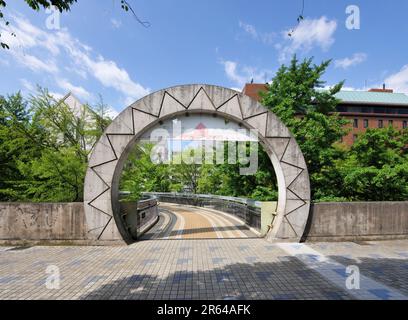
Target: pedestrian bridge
x,y
190,216
189,222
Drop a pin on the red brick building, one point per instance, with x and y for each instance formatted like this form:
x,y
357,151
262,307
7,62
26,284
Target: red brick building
x,y
376,108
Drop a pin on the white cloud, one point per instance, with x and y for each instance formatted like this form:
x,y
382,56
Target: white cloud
x,y
346,63
310,33
56,95
230,68
344,88
110,75
105,71
28,36
399,80
250,29
76,90
116,23
27,85
62,47
112,113
4,62
266,38
241,76
35,64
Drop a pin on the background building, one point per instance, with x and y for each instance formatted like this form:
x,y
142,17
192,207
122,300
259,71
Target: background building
x,y
375,108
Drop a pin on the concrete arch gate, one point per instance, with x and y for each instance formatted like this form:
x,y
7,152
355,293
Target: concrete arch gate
x,y
101,189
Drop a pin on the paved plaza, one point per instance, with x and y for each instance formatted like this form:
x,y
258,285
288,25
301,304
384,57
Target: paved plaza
x,y
215,259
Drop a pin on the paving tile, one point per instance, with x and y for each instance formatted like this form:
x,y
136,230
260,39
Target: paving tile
x,y
225,269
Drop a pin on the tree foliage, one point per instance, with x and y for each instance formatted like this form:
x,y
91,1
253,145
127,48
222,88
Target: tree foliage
x,y
44,147
140,174
374,168
226,180
296,96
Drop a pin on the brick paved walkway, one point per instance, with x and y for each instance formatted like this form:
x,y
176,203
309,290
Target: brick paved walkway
x,y
179,268
199,269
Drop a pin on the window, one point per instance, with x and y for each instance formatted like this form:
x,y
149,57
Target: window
x,y
374,109
355,123
380,124
365,123
404,124
390,123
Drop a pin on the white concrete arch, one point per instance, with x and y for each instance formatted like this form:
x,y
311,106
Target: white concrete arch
x,y
107,158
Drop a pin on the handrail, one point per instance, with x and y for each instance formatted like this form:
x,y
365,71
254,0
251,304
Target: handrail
x,y
248,202
247,210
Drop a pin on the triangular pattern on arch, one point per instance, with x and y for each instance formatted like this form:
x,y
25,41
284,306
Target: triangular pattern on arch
x,y
232,107
201,102
144,113
170,105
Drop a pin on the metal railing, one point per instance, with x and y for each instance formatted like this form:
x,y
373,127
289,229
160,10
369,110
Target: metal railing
x,y
247,210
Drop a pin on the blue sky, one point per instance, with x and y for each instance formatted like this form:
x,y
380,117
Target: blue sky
x,y
100,50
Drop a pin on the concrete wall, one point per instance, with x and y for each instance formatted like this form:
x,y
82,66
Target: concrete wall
x,y
357,221
42,221
140,216
328,221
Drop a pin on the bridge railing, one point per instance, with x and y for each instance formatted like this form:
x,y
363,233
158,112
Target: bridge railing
x,y
139,216
247,210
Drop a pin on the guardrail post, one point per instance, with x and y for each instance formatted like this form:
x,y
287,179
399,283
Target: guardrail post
x,y
268,213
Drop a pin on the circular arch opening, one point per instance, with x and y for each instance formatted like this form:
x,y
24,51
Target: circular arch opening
x,y
222,129
107,159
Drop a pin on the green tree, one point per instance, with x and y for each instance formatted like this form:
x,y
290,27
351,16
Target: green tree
x,y
44,148
296,95
226,180
376,167
140,174
13,145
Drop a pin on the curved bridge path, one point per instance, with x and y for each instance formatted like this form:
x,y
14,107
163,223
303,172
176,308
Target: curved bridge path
x,y
189,222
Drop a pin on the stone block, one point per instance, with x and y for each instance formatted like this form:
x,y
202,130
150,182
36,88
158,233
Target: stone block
x,y
103,203
94,186
293,155
232,108
106,171
170,106
290,173
102,152
219,95
258,123
202,102
301,186
123,124
250,107
278,146
275,127
150,104
142,120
